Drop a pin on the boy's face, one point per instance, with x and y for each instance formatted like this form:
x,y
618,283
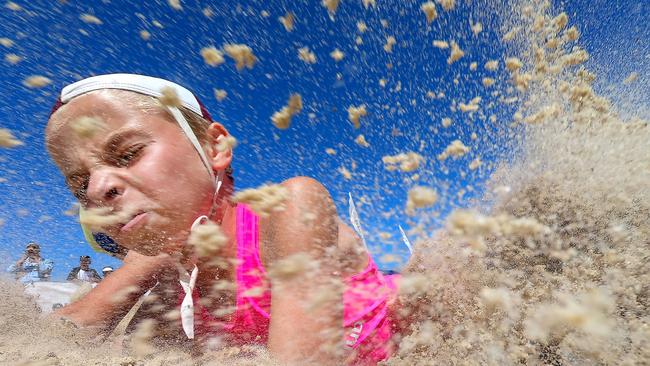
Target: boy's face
x,y
137,162
32,250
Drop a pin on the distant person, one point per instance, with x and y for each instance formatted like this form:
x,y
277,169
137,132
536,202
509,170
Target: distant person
x,y
84,272
107,270
31,267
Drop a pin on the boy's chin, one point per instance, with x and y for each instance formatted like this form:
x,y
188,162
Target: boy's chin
x,y
149,251
147,246
155,240
156,248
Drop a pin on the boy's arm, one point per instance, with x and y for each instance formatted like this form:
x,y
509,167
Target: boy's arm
x,y
112,298
96,277
72,275
45,268
18,266
306,306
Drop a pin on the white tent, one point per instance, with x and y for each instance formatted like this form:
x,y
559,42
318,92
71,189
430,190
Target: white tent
x,y
53,295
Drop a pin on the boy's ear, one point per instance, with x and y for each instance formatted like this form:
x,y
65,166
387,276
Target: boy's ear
x,y
219,159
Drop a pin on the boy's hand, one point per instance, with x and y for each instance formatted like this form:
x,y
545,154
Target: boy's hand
x,y
107,303
20,261
157,267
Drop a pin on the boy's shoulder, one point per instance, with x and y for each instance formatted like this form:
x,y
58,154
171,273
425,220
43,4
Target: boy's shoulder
x,y
301,182
306,198
305,191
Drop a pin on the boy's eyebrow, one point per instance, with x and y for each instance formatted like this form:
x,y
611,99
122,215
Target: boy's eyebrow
x,y
77,173
113,140
116,137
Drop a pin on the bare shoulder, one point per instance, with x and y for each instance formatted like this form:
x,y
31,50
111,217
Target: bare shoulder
x,y
302,187
308,222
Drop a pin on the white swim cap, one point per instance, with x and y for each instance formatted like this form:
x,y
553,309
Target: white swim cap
x,y
146,85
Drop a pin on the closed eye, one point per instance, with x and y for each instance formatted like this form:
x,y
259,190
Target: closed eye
x,y
129,156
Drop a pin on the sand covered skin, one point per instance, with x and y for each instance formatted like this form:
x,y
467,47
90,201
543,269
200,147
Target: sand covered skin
x,y
56,340
87,127
548,267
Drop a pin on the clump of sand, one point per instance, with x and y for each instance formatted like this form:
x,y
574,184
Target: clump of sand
x,y
282,118
7,139
37,81
212,56
355,114
265,199
337,55
241,54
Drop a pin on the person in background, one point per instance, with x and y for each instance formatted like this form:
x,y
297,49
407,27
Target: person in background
x,y
31,267
107,270
84,272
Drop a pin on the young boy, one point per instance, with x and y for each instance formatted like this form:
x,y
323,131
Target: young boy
x,y
304,287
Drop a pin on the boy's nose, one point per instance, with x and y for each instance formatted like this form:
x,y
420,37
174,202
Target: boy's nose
x,y
104,187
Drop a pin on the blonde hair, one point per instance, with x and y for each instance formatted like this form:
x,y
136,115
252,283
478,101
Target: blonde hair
x,y
149,104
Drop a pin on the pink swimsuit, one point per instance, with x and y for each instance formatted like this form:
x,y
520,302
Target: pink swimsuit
x,y
368,327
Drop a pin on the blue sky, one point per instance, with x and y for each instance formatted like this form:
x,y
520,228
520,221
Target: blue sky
x,y
55,43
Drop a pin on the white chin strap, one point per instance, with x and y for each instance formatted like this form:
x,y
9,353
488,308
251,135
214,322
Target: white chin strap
x,y
188,280
182,122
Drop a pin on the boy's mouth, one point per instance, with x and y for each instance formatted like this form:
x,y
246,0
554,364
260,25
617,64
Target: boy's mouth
x,y
135,222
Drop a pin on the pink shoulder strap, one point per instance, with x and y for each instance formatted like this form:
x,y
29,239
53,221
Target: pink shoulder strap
x,y
250,271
